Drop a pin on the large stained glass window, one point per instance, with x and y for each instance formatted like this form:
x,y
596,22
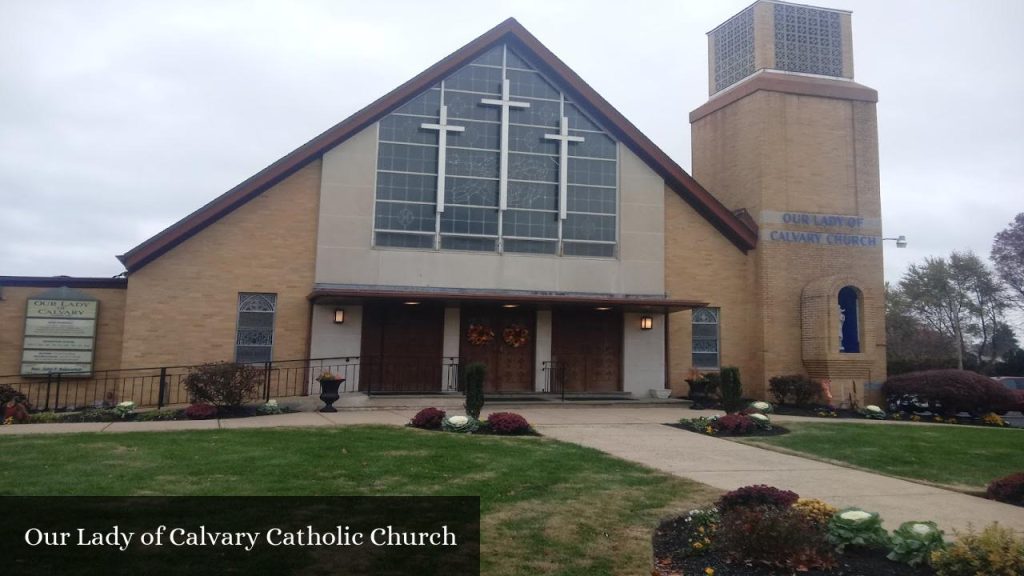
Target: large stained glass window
x,y
496,158
705,338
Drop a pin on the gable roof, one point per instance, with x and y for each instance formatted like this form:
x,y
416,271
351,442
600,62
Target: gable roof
x,y
512,32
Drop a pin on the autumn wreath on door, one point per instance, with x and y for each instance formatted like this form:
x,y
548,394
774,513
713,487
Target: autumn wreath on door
x,y
478,334
516,335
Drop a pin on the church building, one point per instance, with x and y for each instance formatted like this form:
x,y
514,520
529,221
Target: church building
x,y
496,209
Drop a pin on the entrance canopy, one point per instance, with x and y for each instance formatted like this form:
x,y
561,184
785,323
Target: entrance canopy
x,y
342,294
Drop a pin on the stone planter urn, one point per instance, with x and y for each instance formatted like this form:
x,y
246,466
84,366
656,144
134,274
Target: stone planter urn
x,y
329,392
698,393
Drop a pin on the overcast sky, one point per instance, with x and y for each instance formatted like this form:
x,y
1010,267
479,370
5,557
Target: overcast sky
x,y
119,118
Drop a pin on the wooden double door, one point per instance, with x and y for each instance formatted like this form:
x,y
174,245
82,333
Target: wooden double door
x,y
586,349
509,357
401,348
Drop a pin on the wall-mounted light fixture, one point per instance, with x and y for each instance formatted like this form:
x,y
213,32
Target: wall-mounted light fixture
x,y
339,315
603,308
901,241
411,303
510,305
646,322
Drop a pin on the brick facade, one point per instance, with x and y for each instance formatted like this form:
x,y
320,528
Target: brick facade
x,y
182,307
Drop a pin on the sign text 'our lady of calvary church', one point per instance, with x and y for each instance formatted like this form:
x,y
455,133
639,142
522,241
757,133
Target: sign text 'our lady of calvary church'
x,y
850,238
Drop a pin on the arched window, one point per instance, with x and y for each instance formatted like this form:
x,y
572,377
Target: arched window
x,y
849,320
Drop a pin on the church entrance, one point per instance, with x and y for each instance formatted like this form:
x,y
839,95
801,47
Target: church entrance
x,y
586,349
503,340
401,348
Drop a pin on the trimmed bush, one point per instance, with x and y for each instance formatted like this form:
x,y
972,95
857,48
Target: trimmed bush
x,y
1009,489
200,411
949,392
794,389
736,424
507,424
994,552
758,495
8,393
223,383
476,373
778,537
428,419
731,392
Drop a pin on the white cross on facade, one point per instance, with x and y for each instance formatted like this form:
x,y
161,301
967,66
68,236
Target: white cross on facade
x,y
563,164
442,144
505,104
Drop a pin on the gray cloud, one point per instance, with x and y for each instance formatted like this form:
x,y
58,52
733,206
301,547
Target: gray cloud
x,y
119,118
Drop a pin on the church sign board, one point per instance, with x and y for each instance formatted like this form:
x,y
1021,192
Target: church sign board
x,y
60,333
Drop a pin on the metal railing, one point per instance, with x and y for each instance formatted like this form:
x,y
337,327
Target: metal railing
x,y
163,386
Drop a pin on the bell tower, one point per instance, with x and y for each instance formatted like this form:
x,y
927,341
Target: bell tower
x,y
789,136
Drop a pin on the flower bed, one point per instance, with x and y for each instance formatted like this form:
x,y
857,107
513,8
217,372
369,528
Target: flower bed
x,y
753,421
761,530
125,412
498,423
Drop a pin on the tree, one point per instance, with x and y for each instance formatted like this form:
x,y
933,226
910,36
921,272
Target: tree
x,y
910,344
959,298
939,300
1008,257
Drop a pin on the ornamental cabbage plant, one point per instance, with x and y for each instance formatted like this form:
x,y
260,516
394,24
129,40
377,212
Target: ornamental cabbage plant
x,y
873,412
855,527
913,542
461,424
761,421
762,407
124,409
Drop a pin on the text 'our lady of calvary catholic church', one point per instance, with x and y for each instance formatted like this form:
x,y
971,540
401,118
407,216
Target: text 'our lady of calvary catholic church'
x,y
496,209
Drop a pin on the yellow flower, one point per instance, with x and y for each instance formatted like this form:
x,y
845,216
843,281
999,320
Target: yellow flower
x,y
697,545
709,571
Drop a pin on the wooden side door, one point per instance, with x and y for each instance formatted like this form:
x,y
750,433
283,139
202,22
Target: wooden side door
x,y
586,347
401,348
510,364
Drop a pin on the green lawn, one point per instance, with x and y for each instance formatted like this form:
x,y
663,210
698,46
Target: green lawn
x,y
547,507
953,455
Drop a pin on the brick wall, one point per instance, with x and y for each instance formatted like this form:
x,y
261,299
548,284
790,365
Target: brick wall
x,y
182,306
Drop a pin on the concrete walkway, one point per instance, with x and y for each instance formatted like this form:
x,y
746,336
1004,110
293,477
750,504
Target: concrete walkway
x,y
636,432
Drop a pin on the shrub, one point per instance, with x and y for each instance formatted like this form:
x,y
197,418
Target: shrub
x,y
428,419
949,392
8,393
200,411
781,537
45,418
855,527
817,511
913,542
736,424
461,424
795,388
157,415
223,383
731,392
994,552
508,424
758,495
476,373
1009,489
